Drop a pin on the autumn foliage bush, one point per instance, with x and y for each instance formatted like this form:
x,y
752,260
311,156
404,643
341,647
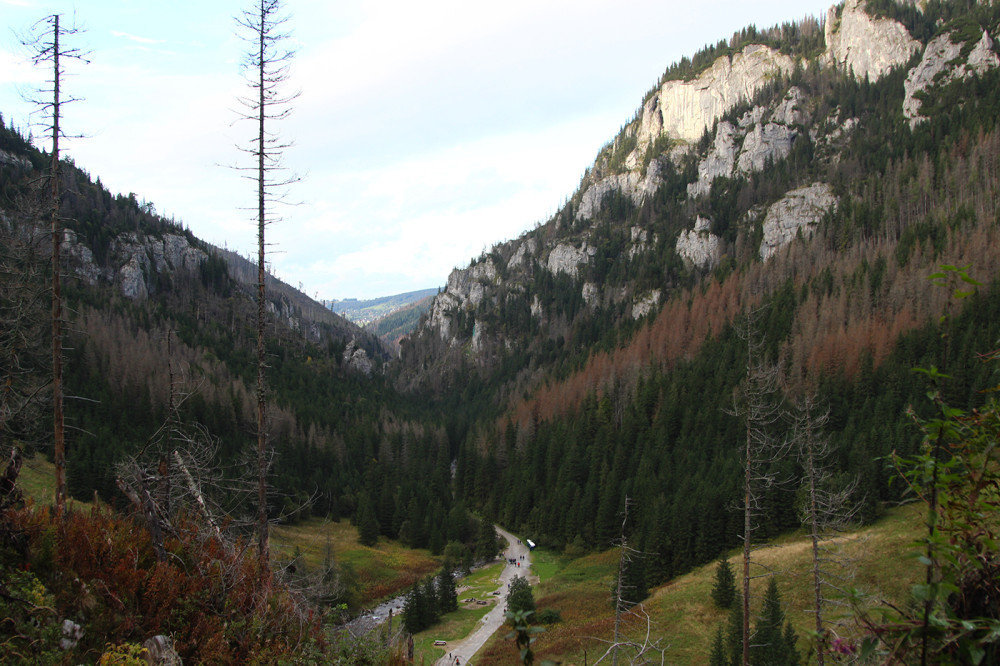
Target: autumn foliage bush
x,y
98,568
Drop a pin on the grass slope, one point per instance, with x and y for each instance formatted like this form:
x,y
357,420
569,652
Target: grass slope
x,y
384,570
681,614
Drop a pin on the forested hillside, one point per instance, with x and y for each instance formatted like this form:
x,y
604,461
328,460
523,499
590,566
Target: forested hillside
x,y
596,357
155,311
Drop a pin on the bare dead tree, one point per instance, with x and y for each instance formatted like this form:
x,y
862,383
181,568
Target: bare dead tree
x,y
627,610
643,650
178,472
757,403
828,509
45,47
266,66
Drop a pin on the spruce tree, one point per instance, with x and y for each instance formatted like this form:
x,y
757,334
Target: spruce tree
x,y
368,527
414,609
717,657
770,643
432,603
734,632
487,544
446,595
724,588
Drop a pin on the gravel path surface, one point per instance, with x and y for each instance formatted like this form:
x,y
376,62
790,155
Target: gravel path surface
x,y
460,652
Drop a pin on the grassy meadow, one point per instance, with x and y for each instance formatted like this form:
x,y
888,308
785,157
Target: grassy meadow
x,y
681,615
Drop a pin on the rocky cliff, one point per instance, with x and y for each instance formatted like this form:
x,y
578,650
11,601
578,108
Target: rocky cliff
x,y
864,46
946,59
732,122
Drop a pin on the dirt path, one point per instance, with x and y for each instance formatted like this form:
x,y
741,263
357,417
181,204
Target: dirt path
x,y
460,652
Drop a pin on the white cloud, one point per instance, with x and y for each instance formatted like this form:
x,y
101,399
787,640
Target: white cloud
x,y
136,38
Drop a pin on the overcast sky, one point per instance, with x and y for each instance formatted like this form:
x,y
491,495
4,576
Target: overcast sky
x,y
425,132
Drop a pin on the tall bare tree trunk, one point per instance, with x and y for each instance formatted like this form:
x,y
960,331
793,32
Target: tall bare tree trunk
x,y
756,403
45,47
263,529
267,68
58,420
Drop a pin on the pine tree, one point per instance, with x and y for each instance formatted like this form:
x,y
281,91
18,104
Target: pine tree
x,y
368,527
447,597
724,589
770,644
717,657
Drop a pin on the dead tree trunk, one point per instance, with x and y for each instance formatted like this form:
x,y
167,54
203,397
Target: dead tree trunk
x,y
45,47
266,64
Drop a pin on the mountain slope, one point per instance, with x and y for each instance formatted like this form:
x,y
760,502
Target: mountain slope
x,y
594,357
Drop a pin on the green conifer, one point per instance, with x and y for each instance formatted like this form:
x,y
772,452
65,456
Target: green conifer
x,y
724,588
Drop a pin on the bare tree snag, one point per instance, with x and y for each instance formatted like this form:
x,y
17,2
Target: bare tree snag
x,y
266,66
46,48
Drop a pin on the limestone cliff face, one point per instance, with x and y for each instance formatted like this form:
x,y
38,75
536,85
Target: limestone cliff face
x,y
700,246
132,259
356,359
685,109
466,289
938,67
11,159
672,121
565,258
798,212
865,46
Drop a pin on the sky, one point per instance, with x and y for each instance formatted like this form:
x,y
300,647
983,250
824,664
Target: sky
x,y
423,132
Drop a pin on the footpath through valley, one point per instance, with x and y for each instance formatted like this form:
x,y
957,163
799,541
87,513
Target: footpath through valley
x,y
460,652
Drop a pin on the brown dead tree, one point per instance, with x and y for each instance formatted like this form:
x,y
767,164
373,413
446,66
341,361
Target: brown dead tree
x,y
265,64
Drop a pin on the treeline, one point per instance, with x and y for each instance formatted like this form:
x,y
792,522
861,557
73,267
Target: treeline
x,y
803,39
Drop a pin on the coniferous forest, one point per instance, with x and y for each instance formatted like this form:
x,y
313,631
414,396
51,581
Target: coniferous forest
x,y
553,402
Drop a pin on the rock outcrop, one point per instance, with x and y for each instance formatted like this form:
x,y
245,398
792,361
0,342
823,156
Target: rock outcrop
x,y
863,45
759,141
770,142
938,67
646,304
565,258
633,184
699,246
132,260
685,109
719,161
11,159
466,288
524,252
799,211
357,359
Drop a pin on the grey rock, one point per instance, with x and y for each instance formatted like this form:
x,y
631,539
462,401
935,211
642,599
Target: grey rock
x,y
799,211
865,46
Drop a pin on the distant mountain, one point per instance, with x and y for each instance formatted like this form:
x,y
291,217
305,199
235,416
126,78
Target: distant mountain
x,y
394,326
366,312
